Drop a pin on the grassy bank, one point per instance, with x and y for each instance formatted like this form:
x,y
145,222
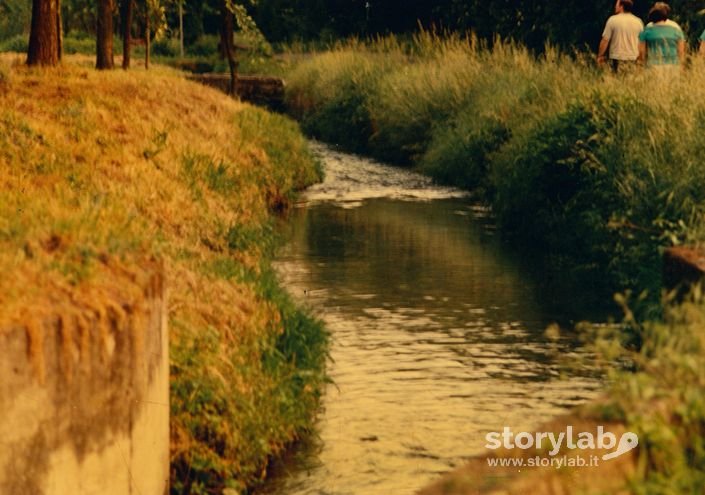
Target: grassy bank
x,y
591,171
103,170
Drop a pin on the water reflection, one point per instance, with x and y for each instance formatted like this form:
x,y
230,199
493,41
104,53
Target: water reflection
x,y
438,338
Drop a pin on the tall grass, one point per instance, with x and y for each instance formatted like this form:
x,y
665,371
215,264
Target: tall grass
x,y
333,104
594,171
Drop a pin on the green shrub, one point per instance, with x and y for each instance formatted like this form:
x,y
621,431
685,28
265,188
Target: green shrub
x,y
660,395
332,95
412,99
166,47
75,43
460,153
17,43
197,66
204,46
344,121
582,185
85,46
15,18
228,427
287,150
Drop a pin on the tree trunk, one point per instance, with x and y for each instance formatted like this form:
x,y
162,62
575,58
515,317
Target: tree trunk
x,y
44,38
126,16
104,38
181,28
59,31
227,46
147,40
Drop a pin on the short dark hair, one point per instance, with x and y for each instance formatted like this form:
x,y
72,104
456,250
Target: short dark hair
x,y
659,12
627,5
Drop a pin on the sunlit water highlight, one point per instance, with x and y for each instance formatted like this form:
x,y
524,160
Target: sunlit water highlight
x,y
437,332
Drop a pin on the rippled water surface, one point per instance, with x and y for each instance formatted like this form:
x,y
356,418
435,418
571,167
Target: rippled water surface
x,y
437,332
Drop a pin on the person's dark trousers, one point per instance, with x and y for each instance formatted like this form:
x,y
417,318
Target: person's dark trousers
x,y
623,66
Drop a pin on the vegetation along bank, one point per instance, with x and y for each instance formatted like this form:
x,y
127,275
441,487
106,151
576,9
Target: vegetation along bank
x,y
106,169
592,171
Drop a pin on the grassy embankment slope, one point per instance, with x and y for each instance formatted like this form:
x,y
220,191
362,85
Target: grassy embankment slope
x,y
103,172
593,172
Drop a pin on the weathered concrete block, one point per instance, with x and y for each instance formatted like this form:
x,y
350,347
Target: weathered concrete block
x,y
84,396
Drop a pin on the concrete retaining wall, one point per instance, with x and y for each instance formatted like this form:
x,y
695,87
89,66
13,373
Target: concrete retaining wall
x,y
84,397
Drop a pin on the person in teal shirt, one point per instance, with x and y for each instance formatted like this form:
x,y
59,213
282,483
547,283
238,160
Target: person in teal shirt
x,y
662,43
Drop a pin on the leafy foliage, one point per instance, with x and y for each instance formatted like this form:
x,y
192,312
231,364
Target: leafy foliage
x,y
566,24
14,18
531,23
659,392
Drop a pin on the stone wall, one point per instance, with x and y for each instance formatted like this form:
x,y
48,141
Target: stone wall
x,y
259,90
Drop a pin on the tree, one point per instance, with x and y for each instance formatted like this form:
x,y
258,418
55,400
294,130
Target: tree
x,y
227,43
126,18
232,13
104,35
79,16
690,15
59,31
45,35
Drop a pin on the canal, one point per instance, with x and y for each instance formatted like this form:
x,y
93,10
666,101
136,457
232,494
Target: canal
x,y
438,332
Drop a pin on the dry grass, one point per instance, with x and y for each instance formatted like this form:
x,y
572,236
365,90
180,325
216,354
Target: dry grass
x,y
92,168
98,179
78,185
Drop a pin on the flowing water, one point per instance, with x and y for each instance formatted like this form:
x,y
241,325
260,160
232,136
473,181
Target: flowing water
x,y
438,332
